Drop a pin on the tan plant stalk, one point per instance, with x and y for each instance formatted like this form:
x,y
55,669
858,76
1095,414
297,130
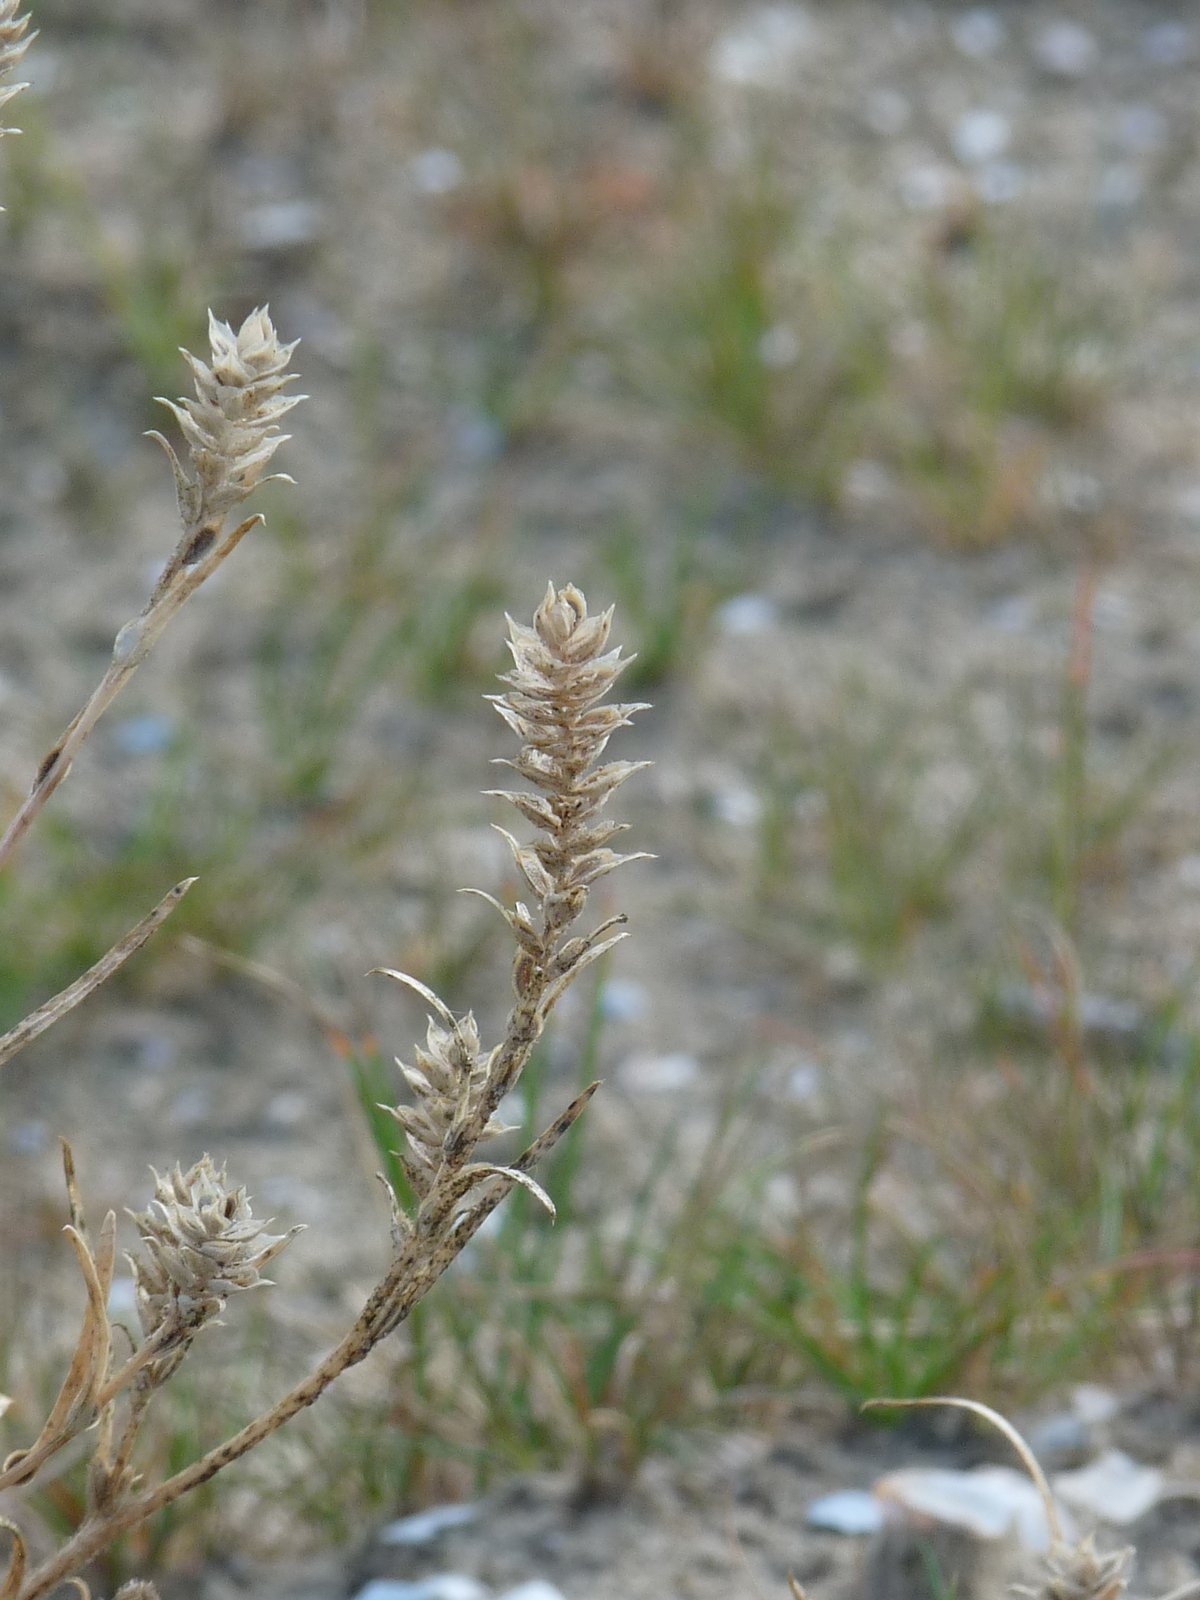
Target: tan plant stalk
x,y
232,430
199,1241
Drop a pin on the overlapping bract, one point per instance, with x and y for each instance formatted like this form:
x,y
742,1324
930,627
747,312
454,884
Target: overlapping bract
x,y
449,1073
561,674
232,426
14,41
201,1244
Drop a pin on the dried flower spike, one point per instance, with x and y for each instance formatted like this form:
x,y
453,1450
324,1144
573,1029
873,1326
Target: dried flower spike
x,y
202,1244
232,426
562,672
232,431
14,41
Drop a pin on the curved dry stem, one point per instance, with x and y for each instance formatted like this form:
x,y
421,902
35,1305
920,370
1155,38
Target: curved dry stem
x,y
1002,1425
36,1023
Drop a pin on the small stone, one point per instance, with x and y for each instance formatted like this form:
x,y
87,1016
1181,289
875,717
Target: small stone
x,y
665,1074
425,1526
1016,613
192,1107
1120,187
737,804
280,224
844,970
978,32
849,1511
803,1081
747,613
1169,44
29,1138
287,1109
761,49
1093,1404
476,438
868,482
146,735
928,187
981,136
1059,1440
1000,182
887,112
436,171
535,1589
442,1586
1142,129
987,1502
1065,49
623,999
1114,1488
779,347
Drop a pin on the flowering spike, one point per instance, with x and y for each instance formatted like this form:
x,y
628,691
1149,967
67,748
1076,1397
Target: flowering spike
x,y
201,1244
232,426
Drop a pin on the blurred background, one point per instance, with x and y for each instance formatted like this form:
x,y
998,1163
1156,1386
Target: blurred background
x,y
849,348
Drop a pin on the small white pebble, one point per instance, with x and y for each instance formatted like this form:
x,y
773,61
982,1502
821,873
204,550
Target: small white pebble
x,y
1168,44
1065,49
981,136
622,999
1000,182
887,112
436,171
848,1511
426,1525
660,1074
978,32
442,1586
779,346
747,613
761,48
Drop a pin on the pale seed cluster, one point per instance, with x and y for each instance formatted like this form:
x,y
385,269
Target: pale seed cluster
x,y
232,426
562,672
14,41
201,1244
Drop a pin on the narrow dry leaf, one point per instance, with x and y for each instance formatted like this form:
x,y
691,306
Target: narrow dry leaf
x,y
36,1023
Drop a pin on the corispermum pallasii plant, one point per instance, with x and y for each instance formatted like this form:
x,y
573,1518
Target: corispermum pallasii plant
x,y
199,1242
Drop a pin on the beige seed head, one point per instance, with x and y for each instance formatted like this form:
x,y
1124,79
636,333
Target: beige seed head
x,y
232,426
201,1244
14,41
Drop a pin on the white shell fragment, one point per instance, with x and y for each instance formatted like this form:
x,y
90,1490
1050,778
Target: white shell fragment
x,y
1114,1488
849,1511
763,46
987,1502
425,1526
535,1589
442,1586
1065,49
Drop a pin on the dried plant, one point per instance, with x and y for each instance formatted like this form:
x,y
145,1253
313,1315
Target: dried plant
x,y
14,41
199,1240
232,431
199,1243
